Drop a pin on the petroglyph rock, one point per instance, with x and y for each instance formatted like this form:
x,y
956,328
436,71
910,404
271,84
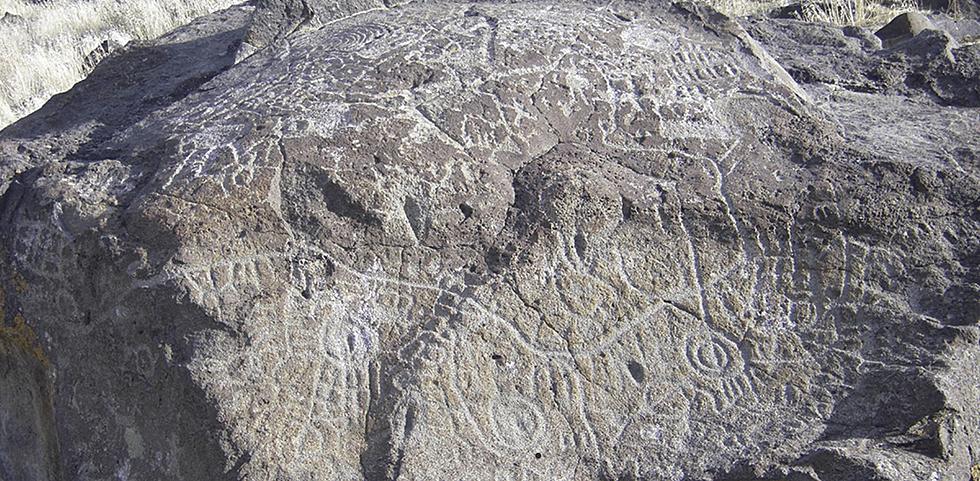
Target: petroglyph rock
x,y
275,19
491,241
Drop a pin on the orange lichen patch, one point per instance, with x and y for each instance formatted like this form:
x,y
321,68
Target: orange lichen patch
x,y
22,335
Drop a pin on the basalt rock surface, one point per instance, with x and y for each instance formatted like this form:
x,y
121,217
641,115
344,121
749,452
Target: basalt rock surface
x,y
489,241
931,65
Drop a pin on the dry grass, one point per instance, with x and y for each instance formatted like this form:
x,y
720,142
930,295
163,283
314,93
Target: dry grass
x,y
741,8
856,12
44,44
863,13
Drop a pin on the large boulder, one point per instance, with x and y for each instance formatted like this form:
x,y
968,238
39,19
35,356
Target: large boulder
x,y
931,65
479,240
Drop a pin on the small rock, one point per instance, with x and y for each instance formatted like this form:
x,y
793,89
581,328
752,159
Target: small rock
x,y
929,45
98,53
868,41
11,18
793,10
903,27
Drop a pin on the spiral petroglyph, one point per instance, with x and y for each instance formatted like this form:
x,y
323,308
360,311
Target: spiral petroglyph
x,y
356,37
476,240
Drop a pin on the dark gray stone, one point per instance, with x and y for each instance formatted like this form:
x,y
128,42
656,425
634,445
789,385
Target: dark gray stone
x,y
99,53
28,441
903,27
494,240
930,66
138,79
962,30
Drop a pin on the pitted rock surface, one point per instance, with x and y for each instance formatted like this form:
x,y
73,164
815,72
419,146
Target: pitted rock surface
x,y
539,240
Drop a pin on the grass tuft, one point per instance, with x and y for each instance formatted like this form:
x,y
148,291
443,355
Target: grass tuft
x,y
861,13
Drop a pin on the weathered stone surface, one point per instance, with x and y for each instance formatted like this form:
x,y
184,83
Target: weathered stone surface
x,y
537,240
275,19
963,30
28,442
99,53
903,27
931,66
135,81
